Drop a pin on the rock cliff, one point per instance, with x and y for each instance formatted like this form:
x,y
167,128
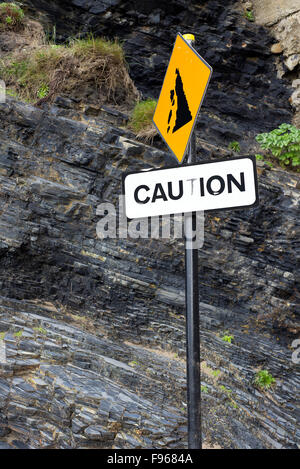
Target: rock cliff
x,y
94,330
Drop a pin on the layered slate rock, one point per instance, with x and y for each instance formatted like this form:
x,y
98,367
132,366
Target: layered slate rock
x,y
244,98
94,328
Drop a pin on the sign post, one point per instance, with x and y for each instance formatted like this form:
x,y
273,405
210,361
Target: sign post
x,y
193,370
203,186
192,328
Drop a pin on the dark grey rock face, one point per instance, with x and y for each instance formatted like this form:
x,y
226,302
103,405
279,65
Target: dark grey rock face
x,y
244,96
94,329
92,342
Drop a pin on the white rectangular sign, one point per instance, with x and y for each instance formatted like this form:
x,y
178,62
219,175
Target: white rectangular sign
x,y
209,185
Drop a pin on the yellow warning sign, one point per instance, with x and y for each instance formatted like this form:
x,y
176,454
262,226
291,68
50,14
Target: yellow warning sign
x,y
181,97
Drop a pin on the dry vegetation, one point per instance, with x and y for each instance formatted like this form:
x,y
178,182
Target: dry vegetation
x,y
87,67
11,16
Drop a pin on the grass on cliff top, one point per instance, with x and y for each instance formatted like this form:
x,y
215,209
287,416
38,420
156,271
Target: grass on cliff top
x,y
91,66
11,16
141,120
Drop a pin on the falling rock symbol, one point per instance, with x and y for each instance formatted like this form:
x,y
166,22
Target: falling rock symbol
x,y
183,113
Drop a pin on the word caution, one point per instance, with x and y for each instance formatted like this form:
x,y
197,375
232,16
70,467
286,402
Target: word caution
x,y
206,186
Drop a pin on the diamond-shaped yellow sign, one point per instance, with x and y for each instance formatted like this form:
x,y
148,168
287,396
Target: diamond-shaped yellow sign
x,y
181,96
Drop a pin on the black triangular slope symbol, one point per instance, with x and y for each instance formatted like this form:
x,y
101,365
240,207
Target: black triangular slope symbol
x,y
183,113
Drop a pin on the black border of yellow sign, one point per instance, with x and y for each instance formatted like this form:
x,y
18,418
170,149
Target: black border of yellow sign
x,y
173,151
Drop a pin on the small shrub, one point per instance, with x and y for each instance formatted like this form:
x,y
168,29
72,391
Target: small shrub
x,y
11,15
204,389
234,146
228,338
18,334
283,144
264,379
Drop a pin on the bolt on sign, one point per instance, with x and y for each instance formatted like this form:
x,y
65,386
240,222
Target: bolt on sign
x,y
225,184
181,96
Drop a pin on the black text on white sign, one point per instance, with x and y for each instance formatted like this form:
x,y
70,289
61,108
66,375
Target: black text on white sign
x,y
224,184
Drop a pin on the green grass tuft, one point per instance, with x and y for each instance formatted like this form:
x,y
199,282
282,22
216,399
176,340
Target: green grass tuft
x,y
90,46
234,146
142,115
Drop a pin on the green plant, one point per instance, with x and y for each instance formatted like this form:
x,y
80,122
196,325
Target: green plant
x,y
91,46
249,15
226,390
233,404
234,146
263,379
228,393
216,373
133,363
11,15
204,389
43,91
283,143
228,338
17,69
2,335
19,333
40,329
261,158
142,115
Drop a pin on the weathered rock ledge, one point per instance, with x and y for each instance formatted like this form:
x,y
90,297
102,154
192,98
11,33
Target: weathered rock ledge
x,y
283,18
95,328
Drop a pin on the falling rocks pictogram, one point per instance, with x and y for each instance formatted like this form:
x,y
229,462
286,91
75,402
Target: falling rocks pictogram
x,y
183,113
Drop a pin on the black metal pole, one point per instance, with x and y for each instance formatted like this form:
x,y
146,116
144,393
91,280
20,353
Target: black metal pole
x,y
192,328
